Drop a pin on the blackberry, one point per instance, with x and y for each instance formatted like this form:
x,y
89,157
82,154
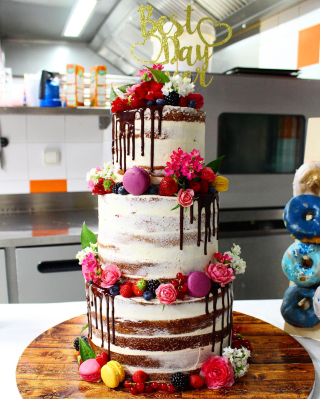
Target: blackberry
x,y
116,187
76,342
153,285
186,183
172,98
179,381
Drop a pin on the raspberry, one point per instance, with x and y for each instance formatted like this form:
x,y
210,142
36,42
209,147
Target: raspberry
x,y
126,291
196,381
195,186
102,359
204,186
168,187
139,376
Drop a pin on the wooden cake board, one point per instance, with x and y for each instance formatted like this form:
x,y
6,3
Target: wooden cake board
x,y
280,367
311,153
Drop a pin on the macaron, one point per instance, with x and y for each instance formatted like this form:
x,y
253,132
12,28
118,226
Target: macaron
x,y
136,180
199,284
90,370
112,374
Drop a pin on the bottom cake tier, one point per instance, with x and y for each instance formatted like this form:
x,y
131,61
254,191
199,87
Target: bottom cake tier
x,y
140,334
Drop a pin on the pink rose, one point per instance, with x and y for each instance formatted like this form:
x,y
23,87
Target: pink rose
x,y
185,197
90,268
131,90
217,372
166,294
110,276
207,174
91,185
220,273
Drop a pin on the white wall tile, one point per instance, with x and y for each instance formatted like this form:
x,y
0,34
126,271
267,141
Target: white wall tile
x,y
288,21
38,170
107,133
76,185
45,128
81,157
14,162
269,56
15,187
269,30
14,128
310,72
309,19
287,48
308,6
83,129
107,152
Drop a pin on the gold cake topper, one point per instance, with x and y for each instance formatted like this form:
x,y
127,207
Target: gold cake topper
x,y
183,53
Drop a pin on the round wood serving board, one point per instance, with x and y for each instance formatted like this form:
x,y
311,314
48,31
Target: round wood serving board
x,y
280,367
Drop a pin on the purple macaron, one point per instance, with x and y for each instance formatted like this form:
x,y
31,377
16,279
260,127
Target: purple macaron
x,y
199,284
136,180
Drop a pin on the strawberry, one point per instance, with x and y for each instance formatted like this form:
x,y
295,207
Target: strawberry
x,y
139,376
168,186
126,291
196,381
204,186
195,186
102,359
139,287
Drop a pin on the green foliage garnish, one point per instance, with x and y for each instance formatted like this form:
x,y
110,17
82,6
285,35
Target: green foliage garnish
x,y
84,328
85,351
113,94
176,207
124,87
159,76
214,165
87,237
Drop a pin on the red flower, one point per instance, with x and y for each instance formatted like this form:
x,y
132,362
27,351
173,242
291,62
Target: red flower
x,y
208,174
198,98
217,372
119,104
154,91
184,101
137,102
142,90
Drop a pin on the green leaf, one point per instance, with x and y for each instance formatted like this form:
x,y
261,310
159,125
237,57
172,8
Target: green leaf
x,y
84,328
163,307
214,165
113,94
85,351
87,237
176,207
124,87
159,76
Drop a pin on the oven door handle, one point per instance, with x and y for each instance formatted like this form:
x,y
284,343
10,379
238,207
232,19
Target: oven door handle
x,y
59,266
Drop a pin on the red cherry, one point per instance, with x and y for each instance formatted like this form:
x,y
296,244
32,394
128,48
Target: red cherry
x,y
171,388
175,283
184,279
234,335
180,295
133,390
238,329
163,386
127,384
179,276
183,288
177,292
140,387
154,385
149,388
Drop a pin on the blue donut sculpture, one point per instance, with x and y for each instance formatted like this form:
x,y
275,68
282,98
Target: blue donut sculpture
x,y
301,264
293,313
302,216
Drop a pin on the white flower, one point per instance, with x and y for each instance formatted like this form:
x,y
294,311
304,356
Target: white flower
x,y
238,359
183,86
167,88
236,250
237,264
106,172
120,94
82,254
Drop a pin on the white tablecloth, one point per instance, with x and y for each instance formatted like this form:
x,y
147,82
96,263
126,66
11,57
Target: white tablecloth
x,y
21,323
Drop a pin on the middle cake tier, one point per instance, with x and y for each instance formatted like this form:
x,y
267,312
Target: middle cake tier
x,y
149,240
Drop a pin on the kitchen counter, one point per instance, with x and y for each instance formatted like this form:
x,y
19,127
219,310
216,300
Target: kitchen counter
x,y
21,323
55,111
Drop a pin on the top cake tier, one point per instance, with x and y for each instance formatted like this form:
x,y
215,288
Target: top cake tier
x,y
147,137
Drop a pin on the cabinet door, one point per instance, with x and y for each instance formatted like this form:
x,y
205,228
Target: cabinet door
x,y
49,274
3,278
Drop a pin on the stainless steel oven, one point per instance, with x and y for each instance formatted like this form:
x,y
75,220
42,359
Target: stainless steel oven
x,y
259,123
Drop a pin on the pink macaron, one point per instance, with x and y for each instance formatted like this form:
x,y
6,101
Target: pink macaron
x,y
199,284
136,180
90,370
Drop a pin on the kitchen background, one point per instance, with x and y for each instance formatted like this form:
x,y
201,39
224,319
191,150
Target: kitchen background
x,y
43,194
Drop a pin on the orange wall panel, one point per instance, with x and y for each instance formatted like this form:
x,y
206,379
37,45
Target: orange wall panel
x,y
48,186
309,46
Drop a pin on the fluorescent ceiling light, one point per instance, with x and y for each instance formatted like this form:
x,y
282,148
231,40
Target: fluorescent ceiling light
x,y
79,16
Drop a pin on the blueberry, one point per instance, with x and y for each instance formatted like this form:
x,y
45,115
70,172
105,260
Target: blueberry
x,y
212,190
115,290
153,190
91,282
151,102
122,191
148,295
161,101
192,103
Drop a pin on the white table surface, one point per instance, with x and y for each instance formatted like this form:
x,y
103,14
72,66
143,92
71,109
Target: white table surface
x,y
21,323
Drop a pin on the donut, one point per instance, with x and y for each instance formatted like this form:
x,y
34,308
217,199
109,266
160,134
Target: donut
x,y
301,264
294,314
302,217
316,302
307,179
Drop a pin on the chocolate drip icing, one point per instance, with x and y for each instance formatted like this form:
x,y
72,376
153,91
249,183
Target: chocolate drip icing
x,y
214,292
204,202
223,290
126,122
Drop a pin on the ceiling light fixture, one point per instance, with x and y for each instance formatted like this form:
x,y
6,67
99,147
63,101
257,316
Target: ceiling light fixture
x,y
78,17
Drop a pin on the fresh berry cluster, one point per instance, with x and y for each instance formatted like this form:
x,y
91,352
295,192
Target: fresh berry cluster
x,y
138,384
103,186
76,342
179,284
138,288
119,189
238,341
